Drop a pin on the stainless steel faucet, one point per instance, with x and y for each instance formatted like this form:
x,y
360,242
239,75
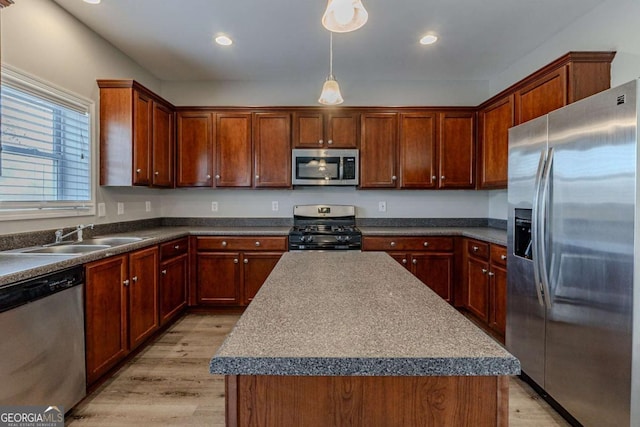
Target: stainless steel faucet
x,y
60,237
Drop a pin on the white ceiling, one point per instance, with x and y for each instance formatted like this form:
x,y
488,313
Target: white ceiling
x,y
284,40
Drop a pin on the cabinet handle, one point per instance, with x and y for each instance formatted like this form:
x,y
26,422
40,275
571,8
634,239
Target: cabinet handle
x,y
393,178
157,173
246,261
414,261
134,279
257,243
320,141
434,177
138,170
164,272
235,260
404,261
208,176
503,257
176,247
393,244
330,141
425,244
257,176
491,273
224,243
484,271
217,176
442,177
126,282
475,249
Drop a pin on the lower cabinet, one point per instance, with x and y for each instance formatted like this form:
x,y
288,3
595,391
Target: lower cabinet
x,y
230,270
485,285
174,278
121,307
430,259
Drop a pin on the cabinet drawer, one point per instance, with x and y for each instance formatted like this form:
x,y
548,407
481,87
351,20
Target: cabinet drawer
x,y
498,255
477,249
407,243
174,248
234,243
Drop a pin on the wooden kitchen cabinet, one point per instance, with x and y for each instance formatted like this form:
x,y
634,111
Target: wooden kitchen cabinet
x,y
418,152
494,122
173,278
195,149
136,136
544,95
456,149
378,150
430,259
486,283
272,150
121,306
229,270
233,150
319,129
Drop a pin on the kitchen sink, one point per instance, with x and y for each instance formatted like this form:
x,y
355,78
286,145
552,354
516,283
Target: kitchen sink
x,y
109,241
67,249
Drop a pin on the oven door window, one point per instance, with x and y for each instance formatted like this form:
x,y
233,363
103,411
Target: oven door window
x,y
315,168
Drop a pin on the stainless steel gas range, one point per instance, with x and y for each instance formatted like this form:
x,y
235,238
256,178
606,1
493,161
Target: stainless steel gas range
x,y
324,227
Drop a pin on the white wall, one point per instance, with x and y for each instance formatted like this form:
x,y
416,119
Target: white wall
x,y
611,26
42,39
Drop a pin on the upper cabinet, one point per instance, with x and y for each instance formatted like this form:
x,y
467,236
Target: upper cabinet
x,y
319,129
456,149
194,149
418,167
233,150
379,150
136,136
272,150
570,78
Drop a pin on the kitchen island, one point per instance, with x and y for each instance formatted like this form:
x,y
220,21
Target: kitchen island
x,y
352,338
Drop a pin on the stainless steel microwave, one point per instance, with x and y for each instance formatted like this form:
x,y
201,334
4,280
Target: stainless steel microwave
x,y
325,167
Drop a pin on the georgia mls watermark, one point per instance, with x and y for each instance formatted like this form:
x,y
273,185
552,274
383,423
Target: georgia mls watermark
x,y
31,416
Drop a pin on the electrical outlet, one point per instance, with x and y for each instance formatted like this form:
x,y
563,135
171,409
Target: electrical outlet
x,y
274,206
214,206
147,206
102,209
382,206
120,208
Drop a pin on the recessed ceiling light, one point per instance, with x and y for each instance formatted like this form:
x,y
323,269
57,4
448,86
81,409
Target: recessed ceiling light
x,y
428,39
92,1
224,40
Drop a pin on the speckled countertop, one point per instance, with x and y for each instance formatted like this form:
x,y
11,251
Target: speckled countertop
x,y
377,320
14,268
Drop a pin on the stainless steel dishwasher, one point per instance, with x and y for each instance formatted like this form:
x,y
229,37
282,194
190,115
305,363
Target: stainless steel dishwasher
x,y
42,358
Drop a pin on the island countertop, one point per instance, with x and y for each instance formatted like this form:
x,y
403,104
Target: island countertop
x,y
355,314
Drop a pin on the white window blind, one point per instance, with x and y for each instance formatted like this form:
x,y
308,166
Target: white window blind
x,y
45,157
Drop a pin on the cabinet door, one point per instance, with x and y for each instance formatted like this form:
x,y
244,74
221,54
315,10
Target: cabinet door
x,y
173,287
435,271
342,130
272,150
457,147
478,288
162,146
308,130
257,267
418,150
495,121
194,146
378,150
143,295
218,278
106,315
542,96
498,318
233,150
142,134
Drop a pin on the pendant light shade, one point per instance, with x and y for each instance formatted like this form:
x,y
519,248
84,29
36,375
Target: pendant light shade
x,y
343,16
330,90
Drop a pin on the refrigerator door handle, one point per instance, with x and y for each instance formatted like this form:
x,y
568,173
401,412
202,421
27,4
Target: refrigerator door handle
x,y
542,229
535,227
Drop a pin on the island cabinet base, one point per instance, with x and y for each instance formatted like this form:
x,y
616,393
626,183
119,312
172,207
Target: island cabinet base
x,y
366,401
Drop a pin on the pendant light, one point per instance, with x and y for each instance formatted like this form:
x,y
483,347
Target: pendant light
x,y
343,16
330,90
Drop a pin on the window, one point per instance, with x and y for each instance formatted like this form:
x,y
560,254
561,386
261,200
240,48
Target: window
x,y
45,150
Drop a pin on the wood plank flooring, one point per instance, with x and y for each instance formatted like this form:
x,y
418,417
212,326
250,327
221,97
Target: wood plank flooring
x,y
168,384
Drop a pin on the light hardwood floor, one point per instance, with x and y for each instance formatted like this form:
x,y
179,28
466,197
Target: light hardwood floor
x,y
168,384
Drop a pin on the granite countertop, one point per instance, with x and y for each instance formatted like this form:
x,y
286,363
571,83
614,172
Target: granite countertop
x,y
379,321
491,235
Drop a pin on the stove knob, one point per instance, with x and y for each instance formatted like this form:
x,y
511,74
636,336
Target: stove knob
x,y
309,238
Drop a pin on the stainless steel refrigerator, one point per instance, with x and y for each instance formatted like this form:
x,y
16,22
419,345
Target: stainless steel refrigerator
x,y
573,235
